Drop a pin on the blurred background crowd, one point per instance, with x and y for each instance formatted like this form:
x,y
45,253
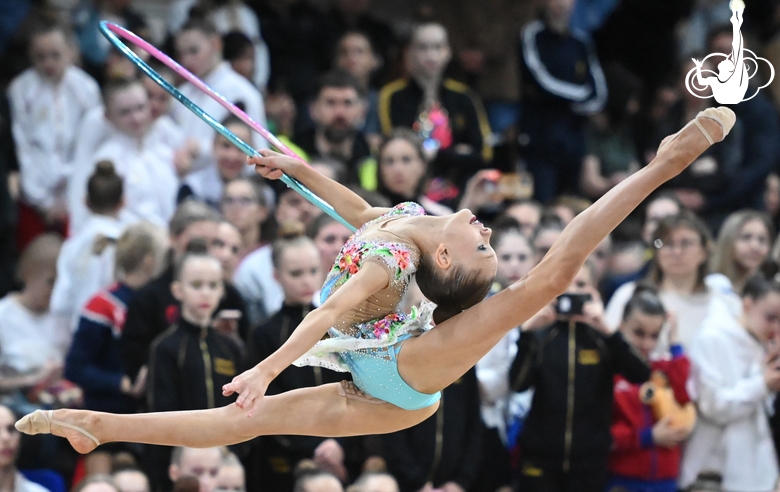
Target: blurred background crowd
x,y
524,111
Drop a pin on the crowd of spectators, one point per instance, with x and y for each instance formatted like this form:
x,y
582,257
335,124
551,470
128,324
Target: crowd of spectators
x,y
524,111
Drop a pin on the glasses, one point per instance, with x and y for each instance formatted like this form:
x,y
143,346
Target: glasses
x,y
683,245
244,201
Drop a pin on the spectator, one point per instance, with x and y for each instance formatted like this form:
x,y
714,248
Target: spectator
x,y
238,50
96,483
34,341
515,259
48,104
736,370
375,482
94,361
145,162
356,55
9,191
547,233
678,271
296,262
454,436
528,213
154,308
227,248
566,207
10,477
566,437
329,235
254,279
82,270
743,246
445,113
131,480
338,111
231,475
610,152
229,163
317,481
646,450
562,83
200,51
402,171
244,205
202,463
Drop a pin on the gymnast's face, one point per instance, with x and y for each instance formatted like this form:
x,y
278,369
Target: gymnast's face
x,y
129,111
198,52
466,241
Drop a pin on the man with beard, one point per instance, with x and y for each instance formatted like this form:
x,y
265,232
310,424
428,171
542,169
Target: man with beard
x,y
338,112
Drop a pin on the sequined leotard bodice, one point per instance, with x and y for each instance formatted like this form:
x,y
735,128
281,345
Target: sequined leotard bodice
x,y
366,334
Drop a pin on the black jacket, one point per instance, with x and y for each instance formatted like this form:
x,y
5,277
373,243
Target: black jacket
x,y
153,309
400,104
444,448
571,369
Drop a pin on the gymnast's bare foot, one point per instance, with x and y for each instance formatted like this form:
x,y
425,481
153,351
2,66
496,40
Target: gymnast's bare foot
x,y
58,423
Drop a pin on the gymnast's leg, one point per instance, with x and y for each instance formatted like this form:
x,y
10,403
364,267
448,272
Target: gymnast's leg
x,y
318,411
437,358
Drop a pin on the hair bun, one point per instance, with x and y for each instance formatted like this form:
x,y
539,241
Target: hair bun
x,y
443,313
291,229
105,168
197,246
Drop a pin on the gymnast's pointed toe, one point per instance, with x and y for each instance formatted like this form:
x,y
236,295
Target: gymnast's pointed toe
x,y
38,422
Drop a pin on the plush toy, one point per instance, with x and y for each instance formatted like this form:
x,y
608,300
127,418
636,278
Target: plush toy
x,y
657,393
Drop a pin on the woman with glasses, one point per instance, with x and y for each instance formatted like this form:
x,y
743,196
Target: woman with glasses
x,y
682,250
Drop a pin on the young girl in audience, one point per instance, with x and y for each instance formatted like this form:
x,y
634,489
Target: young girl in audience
x,y
396,385
208,184
744,243
83,267
33,340
736,371
646,450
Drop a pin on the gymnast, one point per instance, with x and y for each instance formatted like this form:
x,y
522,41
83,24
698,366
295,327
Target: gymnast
x,y
399,364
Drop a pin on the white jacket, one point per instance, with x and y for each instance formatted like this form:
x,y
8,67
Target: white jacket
x,y
732,434
46,122
235,89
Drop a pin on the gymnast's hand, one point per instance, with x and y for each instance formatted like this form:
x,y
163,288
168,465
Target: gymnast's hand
x,y
250,385
271,165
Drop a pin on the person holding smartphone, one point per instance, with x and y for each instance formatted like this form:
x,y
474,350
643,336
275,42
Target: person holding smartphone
x,y
569,356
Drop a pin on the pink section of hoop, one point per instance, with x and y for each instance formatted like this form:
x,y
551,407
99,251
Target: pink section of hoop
x,y
187,75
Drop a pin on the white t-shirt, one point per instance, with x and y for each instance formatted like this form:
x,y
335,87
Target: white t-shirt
x,y
254,279
28,340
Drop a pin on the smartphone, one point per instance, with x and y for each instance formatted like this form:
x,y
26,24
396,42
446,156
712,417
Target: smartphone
x,y
229,314
571,304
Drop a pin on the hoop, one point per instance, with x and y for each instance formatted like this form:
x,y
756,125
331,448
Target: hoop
x,y
113,32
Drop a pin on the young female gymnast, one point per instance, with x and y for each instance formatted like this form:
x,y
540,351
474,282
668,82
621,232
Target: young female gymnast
x,y
393,388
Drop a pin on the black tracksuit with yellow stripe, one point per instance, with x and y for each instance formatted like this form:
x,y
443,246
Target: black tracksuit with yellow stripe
x,y
400,105
571,367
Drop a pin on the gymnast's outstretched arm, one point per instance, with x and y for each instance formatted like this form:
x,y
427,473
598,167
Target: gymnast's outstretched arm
x,y
347,203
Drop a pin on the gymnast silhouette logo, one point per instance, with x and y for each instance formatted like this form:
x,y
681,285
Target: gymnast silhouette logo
x,y
730,83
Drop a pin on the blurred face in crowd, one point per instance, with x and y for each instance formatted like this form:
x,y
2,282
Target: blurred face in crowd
x,y
752,245
329,241
9,438
199,289
202,464
129,110
131,481
230,160
544,240
299,273
380,483
762,316
51,54
100,487
231,479
337,112
657,210
356,57
203,229
429,52
559,9
228,248
293,206
198,52
38,285
582,283
159,99
401,167
527,215
241,206
515,258
601,257
244,64
642,331
323,483
681,254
